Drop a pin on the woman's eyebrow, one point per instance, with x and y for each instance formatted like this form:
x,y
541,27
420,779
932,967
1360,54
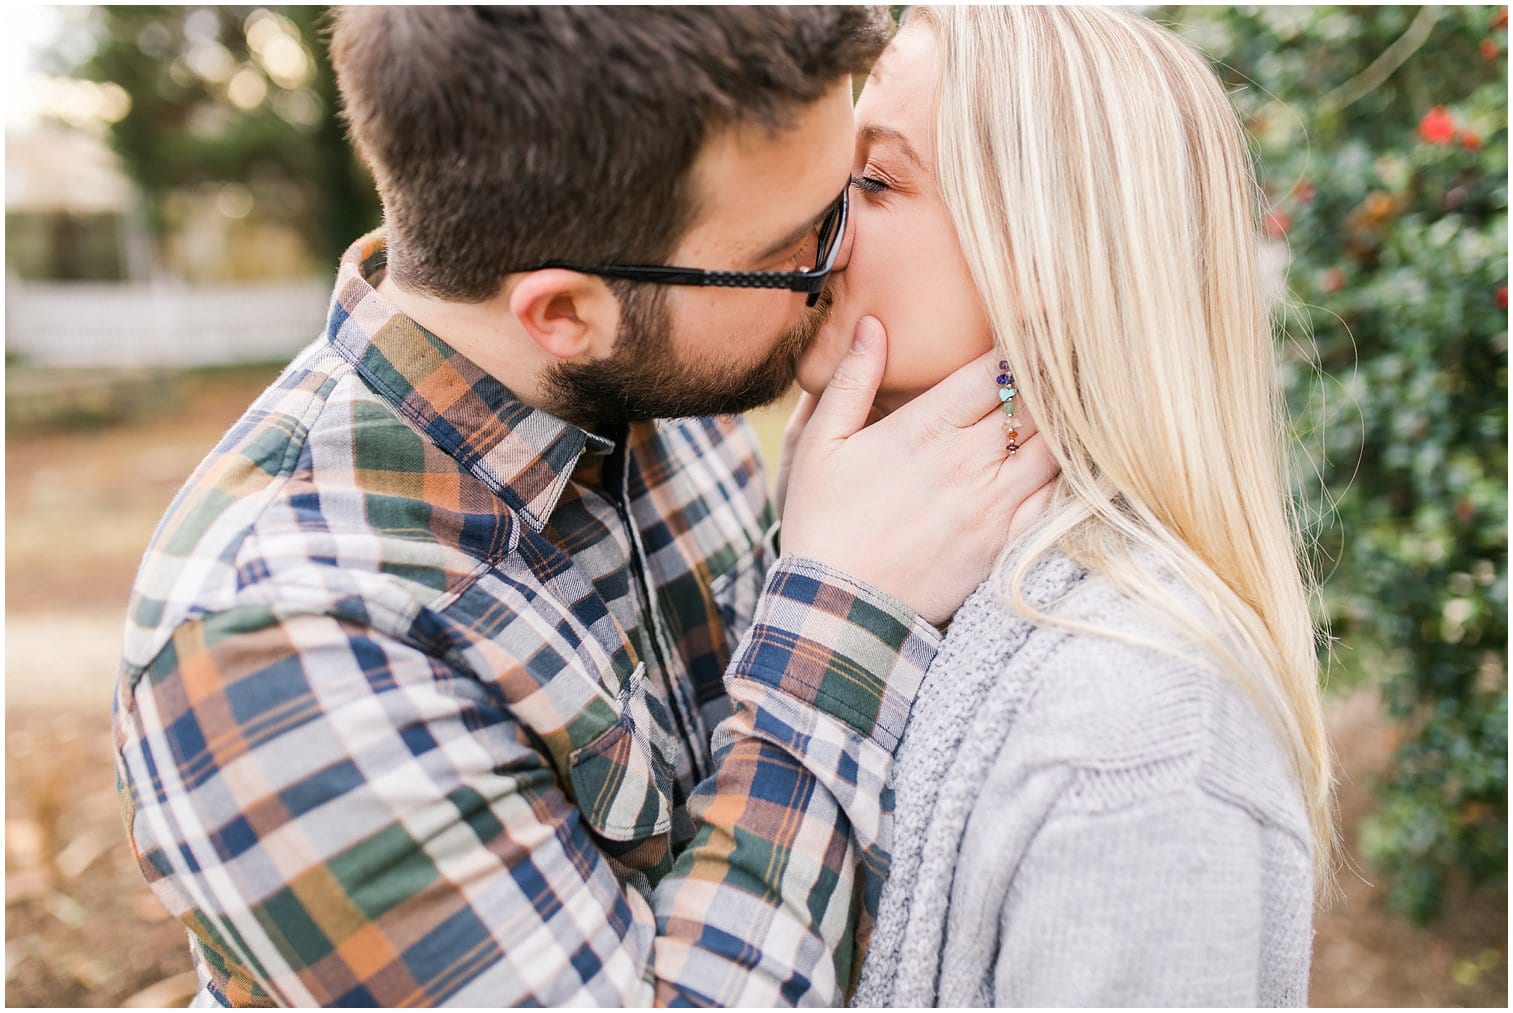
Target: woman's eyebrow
x,y
874,133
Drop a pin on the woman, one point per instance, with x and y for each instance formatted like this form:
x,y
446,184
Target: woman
x,y
1115,784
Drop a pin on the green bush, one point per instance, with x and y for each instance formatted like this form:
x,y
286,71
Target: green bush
x,y
1382,137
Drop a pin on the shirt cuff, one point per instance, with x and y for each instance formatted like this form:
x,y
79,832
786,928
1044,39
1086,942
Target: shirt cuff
x,y
839,645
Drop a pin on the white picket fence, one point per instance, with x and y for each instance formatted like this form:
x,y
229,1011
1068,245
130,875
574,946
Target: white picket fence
x,y
161,324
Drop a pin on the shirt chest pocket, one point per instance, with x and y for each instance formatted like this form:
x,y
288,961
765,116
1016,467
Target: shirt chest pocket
x,y
735,592
621,779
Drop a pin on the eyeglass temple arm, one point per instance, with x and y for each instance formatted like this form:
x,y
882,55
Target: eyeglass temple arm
x,y
793,281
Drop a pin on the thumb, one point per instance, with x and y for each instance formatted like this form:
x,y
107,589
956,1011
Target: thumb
x,y
803,410
847,400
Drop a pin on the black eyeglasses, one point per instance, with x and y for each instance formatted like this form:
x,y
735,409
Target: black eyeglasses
x,y
832,231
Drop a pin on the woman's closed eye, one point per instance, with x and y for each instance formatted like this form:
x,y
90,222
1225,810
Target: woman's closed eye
x,y
869,184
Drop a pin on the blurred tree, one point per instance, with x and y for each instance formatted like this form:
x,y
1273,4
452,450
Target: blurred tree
x,y
241,95
1382,136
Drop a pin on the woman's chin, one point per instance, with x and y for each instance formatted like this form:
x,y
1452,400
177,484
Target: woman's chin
x,y
812,385
818,364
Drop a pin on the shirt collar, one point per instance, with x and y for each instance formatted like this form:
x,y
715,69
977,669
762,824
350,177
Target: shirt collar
x,y
524,454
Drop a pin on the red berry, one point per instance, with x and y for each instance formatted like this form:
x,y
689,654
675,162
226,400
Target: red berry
x,y
1437,127
1277,224
1470,140
1502,298
1490,49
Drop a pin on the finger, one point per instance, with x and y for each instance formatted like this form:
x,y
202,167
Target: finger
x,y
843,407
997,427
964,397
1033,507
1026,472
802,410
1027,483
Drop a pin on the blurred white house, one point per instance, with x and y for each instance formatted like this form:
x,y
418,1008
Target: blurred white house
x,y
85,285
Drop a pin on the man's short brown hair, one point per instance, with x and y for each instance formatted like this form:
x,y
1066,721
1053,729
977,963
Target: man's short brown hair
x,y
503,136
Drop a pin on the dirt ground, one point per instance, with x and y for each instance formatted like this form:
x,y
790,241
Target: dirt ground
x,y
83,929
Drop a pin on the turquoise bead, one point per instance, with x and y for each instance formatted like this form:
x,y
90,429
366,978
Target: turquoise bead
x,y
1004,393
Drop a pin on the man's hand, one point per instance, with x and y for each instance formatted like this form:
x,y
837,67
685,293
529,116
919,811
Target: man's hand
x,y
919,504
791,433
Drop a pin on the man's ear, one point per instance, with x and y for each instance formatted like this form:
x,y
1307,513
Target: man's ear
x,y
570,315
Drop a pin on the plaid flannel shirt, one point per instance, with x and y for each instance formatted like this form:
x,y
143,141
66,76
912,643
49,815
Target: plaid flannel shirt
x,y
411,701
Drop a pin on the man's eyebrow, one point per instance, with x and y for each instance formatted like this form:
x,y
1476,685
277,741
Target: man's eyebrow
x,y
873,133
793,238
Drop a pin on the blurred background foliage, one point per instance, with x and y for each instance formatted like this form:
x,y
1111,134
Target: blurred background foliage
x,y
1383,143
241,100
1382,139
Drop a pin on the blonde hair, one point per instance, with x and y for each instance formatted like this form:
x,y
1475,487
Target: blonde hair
x,y
1103,194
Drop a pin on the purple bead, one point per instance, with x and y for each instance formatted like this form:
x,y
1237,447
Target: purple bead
x,y
1003,379
1003,364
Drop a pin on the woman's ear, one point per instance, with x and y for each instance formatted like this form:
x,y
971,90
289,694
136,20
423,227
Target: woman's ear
x,y
569,315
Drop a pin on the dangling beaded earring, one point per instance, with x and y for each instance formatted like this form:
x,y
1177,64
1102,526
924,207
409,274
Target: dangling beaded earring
x,y
1006,395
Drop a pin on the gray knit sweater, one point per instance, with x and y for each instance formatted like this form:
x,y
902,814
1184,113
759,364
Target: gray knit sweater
x,y
1082,822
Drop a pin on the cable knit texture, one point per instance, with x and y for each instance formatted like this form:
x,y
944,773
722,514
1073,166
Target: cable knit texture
x,y
1083,822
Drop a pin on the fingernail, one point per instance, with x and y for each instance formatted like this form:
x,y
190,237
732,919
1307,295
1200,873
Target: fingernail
x,y
866,333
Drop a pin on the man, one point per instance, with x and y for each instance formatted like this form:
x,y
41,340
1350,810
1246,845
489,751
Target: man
x,y
424,665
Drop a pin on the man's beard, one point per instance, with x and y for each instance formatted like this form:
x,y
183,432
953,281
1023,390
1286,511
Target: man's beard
x,y
644,378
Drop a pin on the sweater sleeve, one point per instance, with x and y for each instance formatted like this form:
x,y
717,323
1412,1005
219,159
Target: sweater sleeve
x,y
1156,903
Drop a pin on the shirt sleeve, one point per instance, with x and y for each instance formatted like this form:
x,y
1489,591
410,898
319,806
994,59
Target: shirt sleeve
x,y
340,817
790,855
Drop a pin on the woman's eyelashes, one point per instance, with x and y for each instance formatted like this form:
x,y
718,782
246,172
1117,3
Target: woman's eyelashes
x,y
869,184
